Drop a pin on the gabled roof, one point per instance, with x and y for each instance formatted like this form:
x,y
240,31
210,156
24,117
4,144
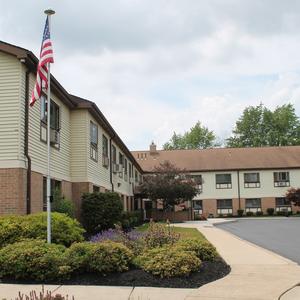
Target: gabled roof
x,y
73,102
223,159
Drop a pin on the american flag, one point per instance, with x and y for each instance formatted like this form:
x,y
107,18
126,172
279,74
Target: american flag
x,y
46,56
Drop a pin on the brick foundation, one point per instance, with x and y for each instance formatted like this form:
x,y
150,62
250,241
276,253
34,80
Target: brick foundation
x,y
13,191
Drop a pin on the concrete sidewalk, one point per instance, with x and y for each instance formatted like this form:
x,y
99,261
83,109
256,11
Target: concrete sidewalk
x,y
81,292
257,274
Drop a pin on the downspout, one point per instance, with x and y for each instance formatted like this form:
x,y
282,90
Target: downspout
x,y
26,152
239,190
110,164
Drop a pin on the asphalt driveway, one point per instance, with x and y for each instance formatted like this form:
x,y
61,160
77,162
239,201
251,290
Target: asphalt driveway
x,y
281,236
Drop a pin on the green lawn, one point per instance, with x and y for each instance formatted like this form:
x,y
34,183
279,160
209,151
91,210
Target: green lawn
x,y
184,232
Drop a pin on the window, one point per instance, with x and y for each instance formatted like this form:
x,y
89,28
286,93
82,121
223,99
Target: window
x,y
54,122
114,154
281,179
223,181
197,208
125,169
224,206
121,162
105,159
130,171
104,146
136,176
55,186
282,204
93,141
251,180
96,189
253,205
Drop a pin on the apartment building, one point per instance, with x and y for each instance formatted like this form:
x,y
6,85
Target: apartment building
x,y
252,179
86,153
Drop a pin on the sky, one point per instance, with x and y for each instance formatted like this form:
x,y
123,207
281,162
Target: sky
x,y
158,66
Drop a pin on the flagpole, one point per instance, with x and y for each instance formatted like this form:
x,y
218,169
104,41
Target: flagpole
x,y
48,12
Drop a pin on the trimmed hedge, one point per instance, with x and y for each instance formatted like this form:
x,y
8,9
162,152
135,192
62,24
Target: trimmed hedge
x,y
33,259
204,250
101,211
168,261
65,230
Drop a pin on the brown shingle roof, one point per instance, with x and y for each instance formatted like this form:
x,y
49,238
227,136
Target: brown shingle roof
x,y
221,159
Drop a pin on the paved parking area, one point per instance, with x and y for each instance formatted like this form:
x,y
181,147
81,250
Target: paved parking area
x,y
281,236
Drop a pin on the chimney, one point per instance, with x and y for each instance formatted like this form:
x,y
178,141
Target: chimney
x,y
153,150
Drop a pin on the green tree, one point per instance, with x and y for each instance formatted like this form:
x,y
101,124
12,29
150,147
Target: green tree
x,y
258,126
198,137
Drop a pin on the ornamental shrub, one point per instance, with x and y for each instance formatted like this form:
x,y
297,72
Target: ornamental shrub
x,y
204,250
159,234
240,212
110,257
33,260
101,211
249,213
131,219
259,213
64,229
10,229
78,256
62,205
270,211
168,261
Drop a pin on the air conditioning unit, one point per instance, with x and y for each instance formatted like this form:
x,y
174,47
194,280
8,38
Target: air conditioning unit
x,y
105,161
115,168
131,180
125,177
54,136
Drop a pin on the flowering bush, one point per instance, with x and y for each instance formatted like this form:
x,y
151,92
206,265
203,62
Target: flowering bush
x,y
158,235
132,239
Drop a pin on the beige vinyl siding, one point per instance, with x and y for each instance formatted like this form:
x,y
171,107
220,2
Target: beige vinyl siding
x,y
10,83
79,141
125,187
60,159
97,174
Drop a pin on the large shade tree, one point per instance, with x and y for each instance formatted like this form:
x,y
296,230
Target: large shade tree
x,y
169,185
258,126
198,137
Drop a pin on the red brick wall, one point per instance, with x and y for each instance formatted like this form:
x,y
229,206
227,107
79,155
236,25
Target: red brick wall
x,y
78,188
36,192
13,191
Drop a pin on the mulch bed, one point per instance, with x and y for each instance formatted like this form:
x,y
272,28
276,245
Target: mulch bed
x,y
208,272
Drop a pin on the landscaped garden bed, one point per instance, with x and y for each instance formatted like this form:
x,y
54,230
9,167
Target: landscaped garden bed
x,y
153,254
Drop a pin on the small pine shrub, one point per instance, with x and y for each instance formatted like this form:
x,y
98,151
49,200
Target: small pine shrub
x,y
259,213
204,250
168,261
270,211
33,260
